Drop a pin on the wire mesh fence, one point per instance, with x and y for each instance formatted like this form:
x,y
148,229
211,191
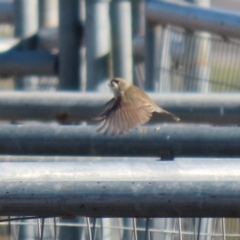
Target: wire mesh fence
x,y
216,59
122,229
199,62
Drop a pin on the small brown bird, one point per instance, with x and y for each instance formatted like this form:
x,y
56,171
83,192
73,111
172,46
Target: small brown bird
x,y
129,108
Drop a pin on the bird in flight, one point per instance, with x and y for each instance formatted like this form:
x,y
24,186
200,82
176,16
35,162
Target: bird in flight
x,y
130,107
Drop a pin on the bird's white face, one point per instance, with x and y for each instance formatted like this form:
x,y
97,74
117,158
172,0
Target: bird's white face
x,y
119,86
114,85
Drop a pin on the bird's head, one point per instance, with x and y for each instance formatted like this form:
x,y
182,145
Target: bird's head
x,y
119,86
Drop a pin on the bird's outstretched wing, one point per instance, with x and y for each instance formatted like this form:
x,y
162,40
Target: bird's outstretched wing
x,y
119,116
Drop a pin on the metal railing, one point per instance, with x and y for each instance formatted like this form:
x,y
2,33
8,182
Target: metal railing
x,y
70,108
189,17
214,183
162,141
194,18
181,188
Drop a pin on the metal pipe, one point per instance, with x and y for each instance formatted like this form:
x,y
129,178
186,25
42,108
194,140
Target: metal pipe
x,y
192,17
25,29
121,38
6,12
197,54
163,61
151,39
182,188
74,107
98,43
138,29
69,42
138,17
7,44
48,13
48,39
25,10
21,63
163,141
25,158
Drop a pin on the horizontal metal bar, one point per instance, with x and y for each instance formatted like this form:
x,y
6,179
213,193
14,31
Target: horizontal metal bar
x,y
48,38
193,17
165,141
75,107
7,43
6,12
31,158
182,188
20,63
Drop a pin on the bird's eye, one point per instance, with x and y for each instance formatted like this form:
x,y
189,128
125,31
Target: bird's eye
x,y
115,81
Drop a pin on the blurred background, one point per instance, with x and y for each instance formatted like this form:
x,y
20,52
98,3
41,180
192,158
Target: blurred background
x,y
79,45
57,46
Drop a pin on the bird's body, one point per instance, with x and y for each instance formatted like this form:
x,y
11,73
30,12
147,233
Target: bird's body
x,y
129,108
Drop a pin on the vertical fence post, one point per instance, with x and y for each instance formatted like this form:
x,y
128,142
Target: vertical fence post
x,y
26,18
121,29
48,18
97,42
158,58
69,41
198,48
83,76
26,25
163,61
198,53
138,30
138,17
48,13
151,41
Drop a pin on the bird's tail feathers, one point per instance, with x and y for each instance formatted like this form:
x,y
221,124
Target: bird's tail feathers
x,y
174,117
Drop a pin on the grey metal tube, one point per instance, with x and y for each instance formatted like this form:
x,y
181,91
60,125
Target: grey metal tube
x,y
197,55
69,42
152,32
47,35
163,141
138,17
182,188
26,26
6,12
121,38
194,18
138,48
48,39
98,43
28,158
48,13
75,107
22,63
25,10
